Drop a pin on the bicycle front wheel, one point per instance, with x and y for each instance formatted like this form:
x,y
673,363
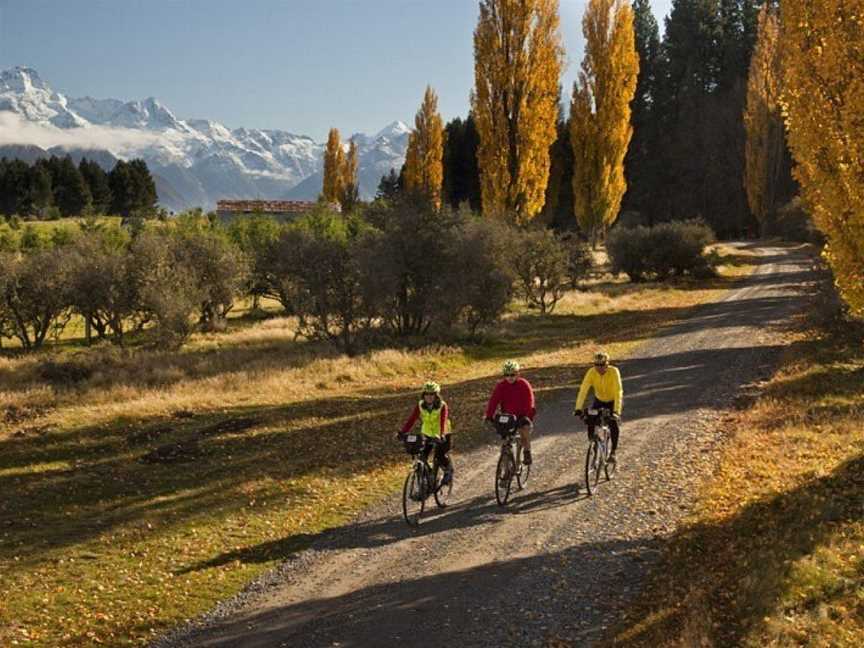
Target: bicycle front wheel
x,y
504,477
414,496
592,467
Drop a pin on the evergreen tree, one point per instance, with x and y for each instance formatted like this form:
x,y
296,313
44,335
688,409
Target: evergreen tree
x,y
145,197
133,191
97,182
41,193
558,209
461,174
71,194
641,163
388,188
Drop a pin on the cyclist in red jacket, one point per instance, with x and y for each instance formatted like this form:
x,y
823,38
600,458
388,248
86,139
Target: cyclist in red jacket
x,y
514,395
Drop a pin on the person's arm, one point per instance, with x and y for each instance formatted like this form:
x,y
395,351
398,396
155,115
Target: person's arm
x,y
532,409
583,390
493,401
444,414
415,414
619,391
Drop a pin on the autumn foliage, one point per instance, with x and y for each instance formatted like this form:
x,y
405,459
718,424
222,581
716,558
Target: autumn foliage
x,y
340,172
600,128
765,145
518,58
823,101
424,159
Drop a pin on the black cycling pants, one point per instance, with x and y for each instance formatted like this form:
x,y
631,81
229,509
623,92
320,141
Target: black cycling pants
x,y
441,450
613,424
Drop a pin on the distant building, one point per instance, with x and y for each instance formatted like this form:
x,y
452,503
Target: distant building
x,y
282,210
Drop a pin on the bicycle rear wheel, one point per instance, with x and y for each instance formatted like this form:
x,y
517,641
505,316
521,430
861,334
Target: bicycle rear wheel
x,y
414,495
592,467
442,493
523,471
504,477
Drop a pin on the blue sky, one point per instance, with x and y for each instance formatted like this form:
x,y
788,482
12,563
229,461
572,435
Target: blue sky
x,y
297,65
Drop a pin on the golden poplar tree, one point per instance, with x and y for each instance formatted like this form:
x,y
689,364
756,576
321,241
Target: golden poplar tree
x,y
334,168
600,128
823,101
349,183
763,121
424,159
518,58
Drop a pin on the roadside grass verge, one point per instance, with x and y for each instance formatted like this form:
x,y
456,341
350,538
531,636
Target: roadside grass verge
x,y
140,487
773,554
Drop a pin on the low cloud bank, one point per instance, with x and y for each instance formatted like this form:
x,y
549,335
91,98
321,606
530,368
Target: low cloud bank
x,y
122,142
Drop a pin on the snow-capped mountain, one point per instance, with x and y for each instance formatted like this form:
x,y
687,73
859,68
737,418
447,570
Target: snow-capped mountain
x,y
198,161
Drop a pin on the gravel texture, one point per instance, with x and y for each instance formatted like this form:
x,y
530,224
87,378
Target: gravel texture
x,y
554,563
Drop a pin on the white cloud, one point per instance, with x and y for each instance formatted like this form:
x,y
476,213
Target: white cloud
x,y
120,141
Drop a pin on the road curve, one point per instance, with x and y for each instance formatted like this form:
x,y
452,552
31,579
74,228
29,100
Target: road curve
x,y
555,563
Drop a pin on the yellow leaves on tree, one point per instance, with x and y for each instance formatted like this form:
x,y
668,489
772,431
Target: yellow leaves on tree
x,y
600,129
517,65
424,159
350,187
340,172
763,120
823,102
334,163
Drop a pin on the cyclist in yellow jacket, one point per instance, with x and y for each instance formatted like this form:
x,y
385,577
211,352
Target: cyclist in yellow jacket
x,y
434,417
605,380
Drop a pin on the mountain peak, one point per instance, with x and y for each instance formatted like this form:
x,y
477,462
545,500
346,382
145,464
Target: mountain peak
x,y
21,79
393,129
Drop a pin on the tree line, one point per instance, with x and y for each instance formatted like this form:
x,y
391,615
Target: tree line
x,y
56,187
654,128
393,269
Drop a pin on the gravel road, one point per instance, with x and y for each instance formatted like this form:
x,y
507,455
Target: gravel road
x,y
554,563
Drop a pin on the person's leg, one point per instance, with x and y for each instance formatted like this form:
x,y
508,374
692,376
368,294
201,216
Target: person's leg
x,y
613,428
443,457
525,434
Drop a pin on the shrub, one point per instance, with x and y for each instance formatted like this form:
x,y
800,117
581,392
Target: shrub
x,y
792,223
35,298
102,288
219,271
541,264
661,251
628,250
407,263
256,235
166,287
481,281
579,258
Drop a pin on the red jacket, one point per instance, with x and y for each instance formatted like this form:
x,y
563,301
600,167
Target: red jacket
x,y
516,399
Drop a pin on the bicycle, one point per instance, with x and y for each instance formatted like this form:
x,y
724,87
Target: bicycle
x,y
423,480
510,462
597,459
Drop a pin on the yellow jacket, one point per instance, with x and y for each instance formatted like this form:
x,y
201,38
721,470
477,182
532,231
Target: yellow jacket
x,y
606,387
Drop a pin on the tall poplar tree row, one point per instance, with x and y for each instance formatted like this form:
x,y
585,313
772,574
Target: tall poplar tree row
x,y
424,159
600,129
823,98
518,58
